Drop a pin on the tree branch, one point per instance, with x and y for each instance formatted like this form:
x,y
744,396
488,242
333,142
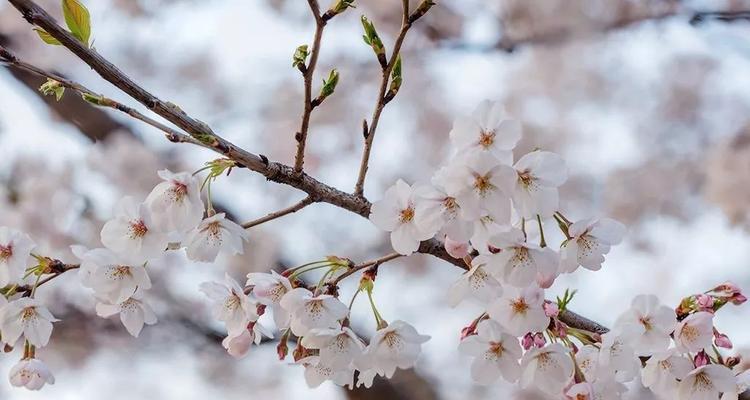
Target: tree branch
x,y
366,264
278,214
273,171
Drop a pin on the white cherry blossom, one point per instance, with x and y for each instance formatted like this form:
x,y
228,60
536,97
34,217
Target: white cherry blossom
x,y
214,235
520,311
31,374
116,282
519,262
238,346
132,233
695,332
230,304
646,325
742,385
590,240
588,362
548,369
15,250
484,228
482,185
663,370
338,346
396,346
495,353
538,175
176,204
134,313
365,364
29,317
317,372
617,358
438,210
269,289
476,283
706,382
488,129
311,312
396,213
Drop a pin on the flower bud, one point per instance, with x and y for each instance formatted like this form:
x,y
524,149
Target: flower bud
x,y
468,331
550,309
722,340
705,302
539,340
53,87
300,56
700,359
528,341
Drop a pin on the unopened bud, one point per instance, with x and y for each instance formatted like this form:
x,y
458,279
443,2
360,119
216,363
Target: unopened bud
x,y
700,359
528,341
550,309
539,340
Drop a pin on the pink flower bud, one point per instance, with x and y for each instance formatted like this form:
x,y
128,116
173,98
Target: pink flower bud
x,y
528,341
260,309
561,329
456,248
729,288
550,309
539,340
738,298
705,302
468,331
700,359
722,340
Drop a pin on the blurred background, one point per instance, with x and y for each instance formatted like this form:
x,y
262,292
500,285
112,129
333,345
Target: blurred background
x,y
648,100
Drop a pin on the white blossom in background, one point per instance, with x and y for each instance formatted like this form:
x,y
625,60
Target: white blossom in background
x,y
230,304
520,311
647,325
488,129
15,250
538,175
706,382
176,203
396,346
268,289
311,312
339,347
134,313
582,391
396,213
483,186
29,317
742,385
31,373
663,370
132,233
695,332
519,262
590,240
495,352
476,283
618,358
215,235
316,373
548,369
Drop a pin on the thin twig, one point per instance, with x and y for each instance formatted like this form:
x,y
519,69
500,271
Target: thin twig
x,y
309,70
278,214
366,264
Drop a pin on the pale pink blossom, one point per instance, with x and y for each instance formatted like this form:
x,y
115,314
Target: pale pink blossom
x,y
477,283
647,325
215,235
537,176
134,313
520,310
310,312
29,317
132,233
695,332
396,346
495,352
548,369
396,213
176,204
15,251
489,129
519,262
706,382
31,373
590,240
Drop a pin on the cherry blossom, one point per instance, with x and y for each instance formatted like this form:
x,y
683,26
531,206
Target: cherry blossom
x,y
238,345
438,210
538,175
311,312
134,313
482,185
317,372
29,317
548,369
588,361
476,283
618,358
706,383
269,289
395,346
132,233
742,385
520,262
365,365
31,373
213,235
663,370
117,282
15,250
396,213
646,325
580,391
338,347
695,332
520,311
495,353
590,240
230,304
176,204
488,129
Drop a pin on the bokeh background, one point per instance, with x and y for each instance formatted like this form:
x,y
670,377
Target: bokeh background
x,y
648,100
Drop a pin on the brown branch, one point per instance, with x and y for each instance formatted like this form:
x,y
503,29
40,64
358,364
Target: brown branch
x,y
309,70
366,264
369,133
278,214
273,171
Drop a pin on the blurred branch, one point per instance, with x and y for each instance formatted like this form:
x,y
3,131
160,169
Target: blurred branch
x,y
383,99
273,171
278,214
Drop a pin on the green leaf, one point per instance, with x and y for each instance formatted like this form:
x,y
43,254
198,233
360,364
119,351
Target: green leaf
x,y
300,55
53,87
46,37
329,85
78,19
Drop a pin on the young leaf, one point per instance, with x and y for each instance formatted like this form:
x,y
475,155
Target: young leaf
x,y
78,20
53,87
46,37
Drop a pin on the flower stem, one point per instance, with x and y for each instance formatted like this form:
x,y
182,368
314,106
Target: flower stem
x,y
542,242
